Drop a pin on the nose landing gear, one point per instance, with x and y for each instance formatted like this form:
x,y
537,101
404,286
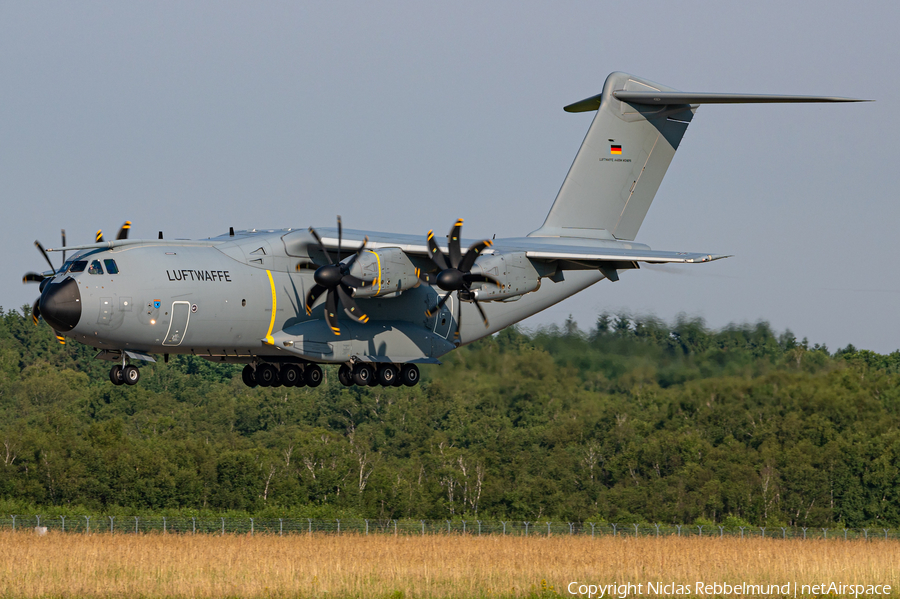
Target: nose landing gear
x,y
127,375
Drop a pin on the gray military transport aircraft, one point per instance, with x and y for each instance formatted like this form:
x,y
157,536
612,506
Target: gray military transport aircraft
x,y
390,301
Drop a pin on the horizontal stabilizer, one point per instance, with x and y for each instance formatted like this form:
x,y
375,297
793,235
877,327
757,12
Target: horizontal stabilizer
x,y
659,98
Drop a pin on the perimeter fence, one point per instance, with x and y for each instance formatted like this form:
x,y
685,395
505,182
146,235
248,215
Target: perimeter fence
x,y
285,526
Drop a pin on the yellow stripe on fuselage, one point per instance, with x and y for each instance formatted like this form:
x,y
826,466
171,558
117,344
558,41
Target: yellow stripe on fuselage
x,y
269,338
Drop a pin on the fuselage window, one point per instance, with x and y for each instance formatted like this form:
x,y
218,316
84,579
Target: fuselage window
x,y
111,267
78,266
95,268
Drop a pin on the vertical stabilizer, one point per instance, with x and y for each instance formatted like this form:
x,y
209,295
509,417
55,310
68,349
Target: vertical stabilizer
x,y
620,165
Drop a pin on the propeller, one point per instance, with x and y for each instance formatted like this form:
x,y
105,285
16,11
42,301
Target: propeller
x,y
35,277
455,271
122,234
335,280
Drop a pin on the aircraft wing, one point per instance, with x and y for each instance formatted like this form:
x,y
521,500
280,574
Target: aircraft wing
x,y
592,253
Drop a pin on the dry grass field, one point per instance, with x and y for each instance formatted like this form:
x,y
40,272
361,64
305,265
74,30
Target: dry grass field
x,y
159,565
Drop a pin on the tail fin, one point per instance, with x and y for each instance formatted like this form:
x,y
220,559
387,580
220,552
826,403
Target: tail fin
x,y
626,153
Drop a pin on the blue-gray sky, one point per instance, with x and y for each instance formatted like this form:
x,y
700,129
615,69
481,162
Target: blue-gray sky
x,y
403,116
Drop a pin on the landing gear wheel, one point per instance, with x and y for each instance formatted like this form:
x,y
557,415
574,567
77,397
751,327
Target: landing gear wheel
x,y
410,375
248,375
292,376
363,374
387,375
115,375
131,374
345,375
313,375
266,375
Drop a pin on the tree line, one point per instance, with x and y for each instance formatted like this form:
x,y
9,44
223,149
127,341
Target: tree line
x,y
635,420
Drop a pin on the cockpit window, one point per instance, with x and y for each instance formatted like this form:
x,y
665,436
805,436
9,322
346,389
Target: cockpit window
x,y
78,266
65,267
111,267
95,268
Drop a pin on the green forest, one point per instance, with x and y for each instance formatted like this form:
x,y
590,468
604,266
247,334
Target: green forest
x,y
629,420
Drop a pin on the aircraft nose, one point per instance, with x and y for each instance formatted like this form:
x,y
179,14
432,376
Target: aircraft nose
x,y
61,305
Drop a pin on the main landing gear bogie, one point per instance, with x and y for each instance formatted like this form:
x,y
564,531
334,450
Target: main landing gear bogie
x,y
289,375
128,375
365,374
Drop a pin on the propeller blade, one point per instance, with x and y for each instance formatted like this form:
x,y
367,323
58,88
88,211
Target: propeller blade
x,y
35,311
480,311
340,236
437,257
63,231
99,236
44,254
33,277
321,245
453,243
331,312
358,253
472,254
436,309
353,282
314,294
351,308
426,277
123,232
480,278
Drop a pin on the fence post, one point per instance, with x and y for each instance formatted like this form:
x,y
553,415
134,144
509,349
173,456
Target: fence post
x,y
367,526
448,526
338,526
423,527
14,521
824,533
464,527
592,529
111,530
804,533
657,528
251,527
281,527
700,531
721,531
63,518
526,528
135,525
763,529
866,533
87,528
845,534
504,527
742,531
885,533
38,520
395,527
678,526
193,525
783,532
166,528
223,527
310,525
548,529
571,528
479,527
614,529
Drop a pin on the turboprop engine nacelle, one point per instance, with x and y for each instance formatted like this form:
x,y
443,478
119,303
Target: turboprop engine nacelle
x,y
514,271
385,270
